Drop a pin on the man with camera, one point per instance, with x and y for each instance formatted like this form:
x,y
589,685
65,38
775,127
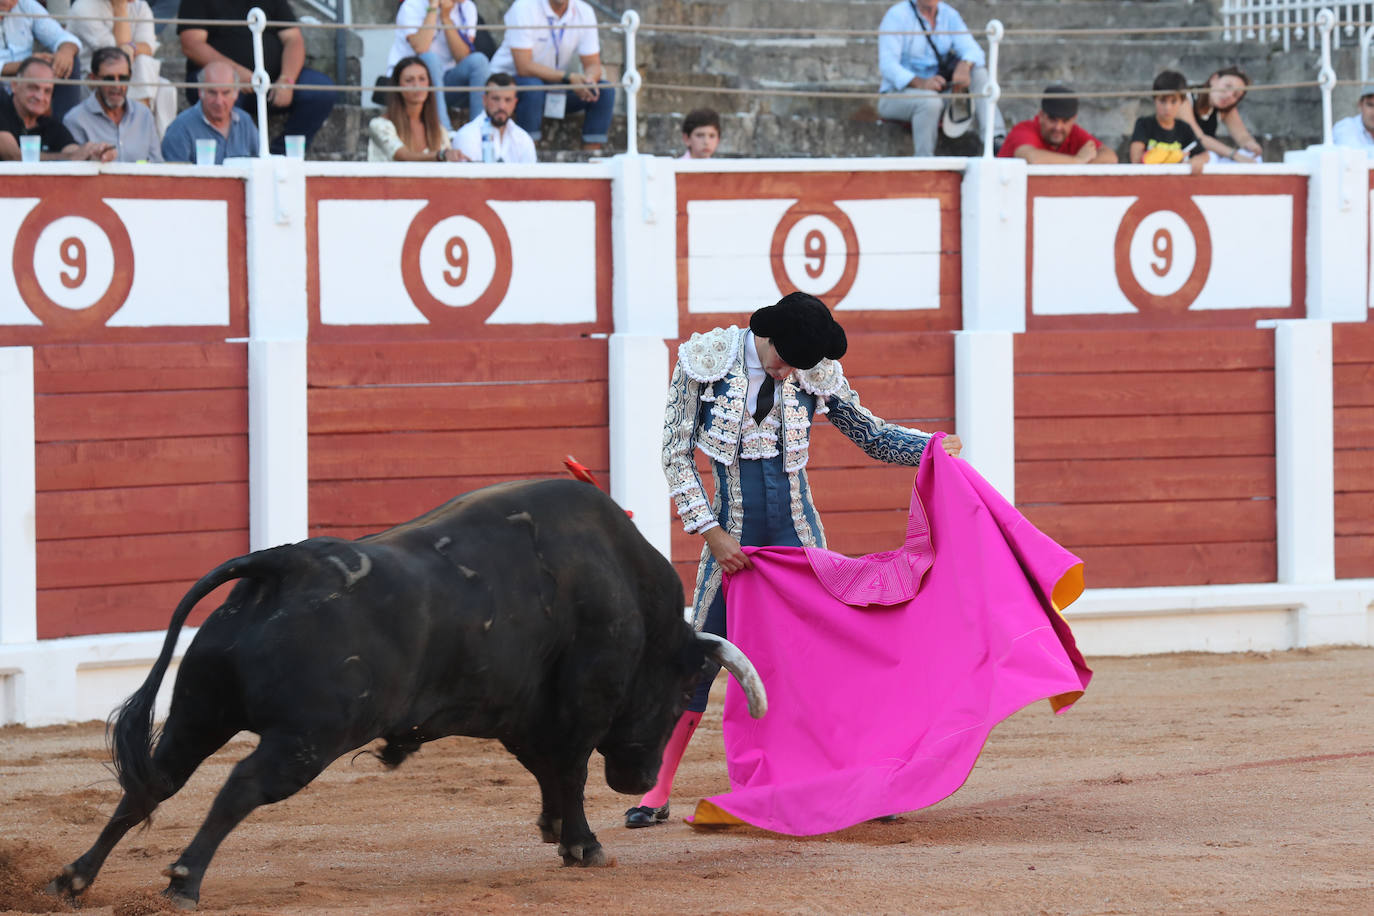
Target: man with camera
x,y
925,53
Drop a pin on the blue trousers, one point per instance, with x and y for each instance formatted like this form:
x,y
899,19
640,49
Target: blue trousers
x,y
529,110
472,71
767,500
306,114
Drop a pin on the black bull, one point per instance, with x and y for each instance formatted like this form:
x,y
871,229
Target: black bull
x,y
532,612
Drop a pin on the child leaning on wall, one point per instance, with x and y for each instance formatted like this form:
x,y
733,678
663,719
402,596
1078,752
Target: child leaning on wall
x,y
700,133
1164,137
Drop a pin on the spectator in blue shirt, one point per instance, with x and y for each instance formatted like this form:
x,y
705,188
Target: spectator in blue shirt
x,y
919,66
24,26
214,117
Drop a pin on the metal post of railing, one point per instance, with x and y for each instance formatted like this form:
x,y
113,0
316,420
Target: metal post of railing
x,y
343,15
257,22
632,81
1326,76
993,91
1366,36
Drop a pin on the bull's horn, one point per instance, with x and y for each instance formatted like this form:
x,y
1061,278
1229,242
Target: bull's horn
x,y
729,657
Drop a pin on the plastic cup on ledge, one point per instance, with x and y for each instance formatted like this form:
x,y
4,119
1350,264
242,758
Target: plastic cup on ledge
x,y
30,148
295,146
206,150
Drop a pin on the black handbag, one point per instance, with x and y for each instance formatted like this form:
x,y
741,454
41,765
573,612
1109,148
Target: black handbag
x,y
947,61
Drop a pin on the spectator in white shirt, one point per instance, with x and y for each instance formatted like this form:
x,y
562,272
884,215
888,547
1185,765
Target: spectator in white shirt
x,y
508,141
441,33
540,41
1357,131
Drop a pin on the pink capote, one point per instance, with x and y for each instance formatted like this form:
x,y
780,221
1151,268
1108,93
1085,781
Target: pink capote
x,y
885,674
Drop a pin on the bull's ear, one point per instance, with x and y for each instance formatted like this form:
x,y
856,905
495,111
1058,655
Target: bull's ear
x,y
729,657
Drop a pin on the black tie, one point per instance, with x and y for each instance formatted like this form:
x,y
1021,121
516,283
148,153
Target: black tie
x,y
765,402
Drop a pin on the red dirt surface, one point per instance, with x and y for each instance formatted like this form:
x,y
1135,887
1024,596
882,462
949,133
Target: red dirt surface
x,y
1182,783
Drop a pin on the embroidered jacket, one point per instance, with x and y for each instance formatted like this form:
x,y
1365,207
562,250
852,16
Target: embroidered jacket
x,y
706,410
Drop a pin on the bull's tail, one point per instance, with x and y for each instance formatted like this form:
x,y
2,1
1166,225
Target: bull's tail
x,y
130,729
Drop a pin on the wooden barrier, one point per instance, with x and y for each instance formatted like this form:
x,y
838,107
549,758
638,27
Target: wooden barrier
x,y
1150,454
1353,367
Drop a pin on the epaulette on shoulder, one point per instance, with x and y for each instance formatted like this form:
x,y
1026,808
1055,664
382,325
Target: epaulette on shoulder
x,y
707,357
823,379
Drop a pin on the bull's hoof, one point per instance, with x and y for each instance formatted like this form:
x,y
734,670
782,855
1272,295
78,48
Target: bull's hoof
x,y
67,884
180,900
592,856
550,829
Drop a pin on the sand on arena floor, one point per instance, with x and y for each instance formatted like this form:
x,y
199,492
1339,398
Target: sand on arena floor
x,y
1183,783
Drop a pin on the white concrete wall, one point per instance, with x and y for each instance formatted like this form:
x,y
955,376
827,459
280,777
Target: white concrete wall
x,y
85,677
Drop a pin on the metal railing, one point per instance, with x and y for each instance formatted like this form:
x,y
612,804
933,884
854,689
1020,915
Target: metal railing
x,y
1273,21
1323,30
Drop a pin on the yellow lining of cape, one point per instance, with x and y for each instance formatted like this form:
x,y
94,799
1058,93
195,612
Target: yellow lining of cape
x,y
708,814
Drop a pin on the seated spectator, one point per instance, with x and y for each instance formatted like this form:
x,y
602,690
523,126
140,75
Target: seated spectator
x,y
493,130
918,66
214,117
1216,104
700,134
1357,131
107,117
537,48
1164,137
409,130
96,23
441,33
27,30
26,111
1053,135
283,52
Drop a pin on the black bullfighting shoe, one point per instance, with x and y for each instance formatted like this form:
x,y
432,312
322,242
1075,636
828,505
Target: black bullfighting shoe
x,y
644,816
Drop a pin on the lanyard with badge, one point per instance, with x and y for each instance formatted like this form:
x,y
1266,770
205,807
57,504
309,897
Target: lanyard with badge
x,y
556,103
463,27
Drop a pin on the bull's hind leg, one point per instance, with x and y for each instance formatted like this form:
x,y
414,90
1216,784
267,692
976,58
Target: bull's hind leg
x,y
184,745
281,765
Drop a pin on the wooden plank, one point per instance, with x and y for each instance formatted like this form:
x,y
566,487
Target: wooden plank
x,y
1048,438
899,354
378,504
1144,393
187,556
518,453
1179,564
438,362
141,414
69,368
119,608
1354,469
1352,384
1143,480
1354,427
1355,513
1355,557
142,510
1204,521
141,462
1352,343
1190,350
456,407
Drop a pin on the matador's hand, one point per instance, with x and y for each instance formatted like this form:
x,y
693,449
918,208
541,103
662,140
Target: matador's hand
x,y
952,445
729,556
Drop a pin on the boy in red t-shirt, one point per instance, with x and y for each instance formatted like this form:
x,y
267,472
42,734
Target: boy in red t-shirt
x,y
1053,136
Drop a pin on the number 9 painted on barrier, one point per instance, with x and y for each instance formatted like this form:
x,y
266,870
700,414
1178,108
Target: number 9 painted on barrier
x,y
73,265
1163,245
73,253
456,252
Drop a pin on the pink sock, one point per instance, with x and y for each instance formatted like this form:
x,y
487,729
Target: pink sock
x,y
672,756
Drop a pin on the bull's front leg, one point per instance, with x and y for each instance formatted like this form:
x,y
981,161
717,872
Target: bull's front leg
x,y
545,772
577,844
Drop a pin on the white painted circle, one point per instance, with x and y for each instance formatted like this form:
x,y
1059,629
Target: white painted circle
x,y
827,254
73,261
1163,253
457,261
